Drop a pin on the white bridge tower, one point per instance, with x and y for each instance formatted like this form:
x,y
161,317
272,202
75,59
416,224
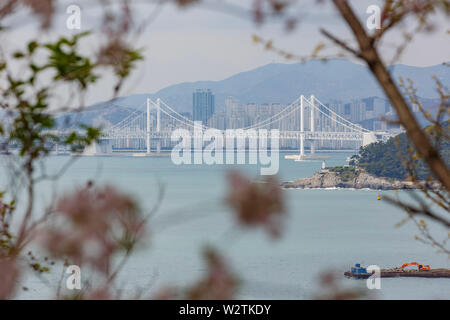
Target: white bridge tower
x,y
151,105
302,124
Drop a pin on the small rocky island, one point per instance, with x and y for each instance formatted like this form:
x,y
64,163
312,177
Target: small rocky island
x,y
378,166
347,177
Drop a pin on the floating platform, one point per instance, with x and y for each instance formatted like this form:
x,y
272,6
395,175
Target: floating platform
x,y
397,272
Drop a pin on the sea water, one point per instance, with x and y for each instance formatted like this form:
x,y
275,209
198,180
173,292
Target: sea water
x,y
324,230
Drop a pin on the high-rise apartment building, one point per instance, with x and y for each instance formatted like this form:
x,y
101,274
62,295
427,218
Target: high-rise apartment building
x,y
202,105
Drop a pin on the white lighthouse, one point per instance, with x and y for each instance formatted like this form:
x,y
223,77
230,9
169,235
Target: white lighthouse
x,y
324,167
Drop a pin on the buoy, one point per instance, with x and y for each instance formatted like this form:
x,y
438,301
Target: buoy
x,y
378,197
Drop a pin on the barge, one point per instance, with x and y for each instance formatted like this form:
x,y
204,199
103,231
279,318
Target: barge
x,y
359,272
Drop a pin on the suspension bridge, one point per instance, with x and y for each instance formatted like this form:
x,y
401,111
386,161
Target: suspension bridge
x,y
304,120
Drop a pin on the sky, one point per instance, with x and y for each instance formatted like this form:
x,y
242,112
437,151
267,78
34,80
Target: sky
x,y
211,42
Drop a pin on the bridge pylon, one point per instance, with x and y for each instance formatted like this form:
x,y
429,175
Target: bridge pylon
x,y
312,123
302,128
302,125
147,133
151,105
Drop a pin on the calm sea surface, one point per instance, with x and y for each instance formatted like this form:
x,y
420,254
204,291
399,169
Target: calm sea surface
x,y
325,230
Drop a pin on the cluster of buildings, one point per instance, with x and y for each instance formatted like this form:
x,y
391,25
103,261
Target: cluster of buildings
x,y
233,114
366,112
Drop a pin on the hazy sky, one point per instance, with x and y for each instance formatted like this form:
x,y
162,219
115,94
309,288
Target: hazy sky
x,y
210,43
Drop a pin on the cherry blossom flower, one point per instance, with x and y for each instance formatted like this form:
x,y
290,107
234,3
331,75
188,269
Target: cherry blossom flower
x,y
256,204
96,223
9,275
218,283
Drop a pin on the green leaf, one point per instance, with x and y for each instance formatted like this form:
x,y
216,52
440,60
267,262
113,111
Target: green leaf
x,y
18,55
32,46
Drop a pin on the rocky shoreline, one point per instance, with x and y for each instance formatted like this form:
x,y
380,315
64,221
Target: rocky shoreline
x,y
361,180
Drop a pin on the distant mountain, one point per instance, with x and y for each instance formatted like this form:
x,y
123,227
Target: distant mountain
x,y
104,114
331,81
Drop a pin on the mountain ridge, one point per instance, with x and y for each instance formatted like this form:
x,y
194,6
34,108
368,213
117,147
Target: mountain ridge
x,y
337,80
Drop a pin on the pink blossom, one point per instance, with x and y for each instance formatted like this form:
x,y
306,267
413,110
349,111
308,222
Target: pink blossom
x,y
256,203
9,275
218,283
96,223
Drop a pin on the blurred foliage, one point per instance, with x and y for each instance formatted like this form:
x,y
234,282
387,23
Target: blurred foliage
x,y
28,100
218,283
30,79
6,210
257,204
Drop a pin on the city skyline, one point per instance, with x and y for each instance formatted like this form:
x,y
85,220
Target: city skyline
x,y
234,115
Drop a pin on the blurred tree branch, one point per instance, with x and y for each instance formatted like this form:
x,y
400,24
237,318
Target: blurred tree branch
x,y
369,53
